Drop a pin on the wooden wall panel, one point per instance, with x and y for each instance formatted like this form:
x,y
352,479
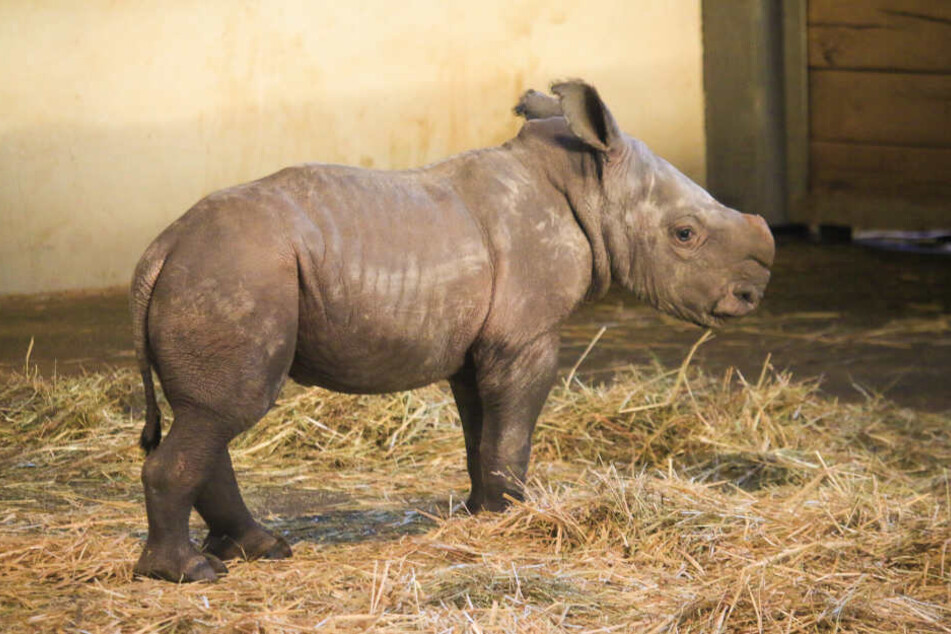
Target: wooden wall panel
x,y
902,44
880,112
891,171
881,108
878,12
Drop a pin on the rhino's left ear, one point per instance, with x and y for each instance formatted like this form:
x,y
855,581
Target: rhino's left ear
x,y
587,116
535,105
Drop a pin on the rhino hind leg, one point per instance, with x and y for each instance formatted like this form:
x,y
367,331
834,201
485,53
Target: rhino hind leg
x,y
173,475
222,363
192,468
232,531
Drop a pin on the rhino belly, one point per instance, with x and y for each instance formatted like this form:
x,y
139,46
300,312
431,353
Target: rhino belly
x,y
390,330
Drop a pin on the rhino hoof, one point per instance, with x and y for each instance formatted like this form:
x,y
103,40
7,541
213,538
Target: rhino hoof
x,y
198,567
216,564
202,570
473,506
255,544
280,550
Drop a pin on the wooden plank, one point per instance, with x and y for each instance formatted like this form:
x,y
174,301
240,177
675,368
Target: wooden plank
x,y
878,12
901,44
881,108
910,173
873,212
880,149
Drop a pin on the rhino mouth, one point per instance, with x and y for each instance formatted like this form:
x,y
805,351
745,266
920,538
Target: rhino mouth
x,y
713,320
738,301
705,318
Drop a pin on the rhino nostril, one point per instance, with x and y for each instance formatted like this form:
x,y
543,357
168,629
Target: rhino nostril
x,y
745,295
740,299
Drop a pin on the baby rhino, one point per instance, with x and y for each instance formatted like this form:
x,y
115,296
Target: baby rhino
x,y
369,281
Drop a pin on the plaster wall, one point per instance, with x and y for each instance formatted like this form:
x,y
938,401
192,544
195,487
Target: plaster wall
x,y
115,117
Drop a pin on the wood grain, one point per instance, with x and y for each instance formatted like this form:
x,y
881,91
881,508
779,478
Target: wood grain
x,y
907,45
913,173
879,113
873,212
878,12
880,108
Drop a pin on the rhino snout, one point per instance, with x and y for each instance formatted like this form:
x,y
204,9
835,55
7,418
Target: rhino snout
x,y
741,298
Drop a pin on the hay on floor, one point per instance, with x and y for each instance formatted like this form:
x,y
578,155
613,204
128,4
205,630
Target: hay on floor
x,y
658,502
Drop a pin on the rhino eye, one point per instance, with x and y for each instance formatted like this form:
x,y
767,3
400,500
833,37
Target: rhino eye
x,y
684,234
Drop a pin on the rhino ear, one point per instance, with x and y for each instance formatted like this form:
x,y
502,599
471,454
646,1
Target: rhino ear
x,y
535,105
587,116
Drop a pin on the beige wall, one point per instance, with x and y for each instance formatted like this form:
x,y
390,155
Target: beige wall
x,y
117,116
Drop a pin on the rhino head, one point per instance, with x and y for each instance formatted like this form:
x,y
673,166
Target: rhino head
x,y
652,229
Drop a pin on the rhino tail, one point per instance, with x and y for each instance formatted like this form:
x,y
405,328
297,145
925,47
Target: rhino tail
x,y
151,434
143,282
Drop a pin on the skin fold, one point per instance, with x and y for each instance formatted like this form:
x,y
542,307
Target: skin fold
x,y
369,281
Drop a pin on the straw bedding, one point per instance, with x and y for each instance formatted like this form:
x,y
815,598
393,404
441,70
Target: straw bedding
x,y
659,502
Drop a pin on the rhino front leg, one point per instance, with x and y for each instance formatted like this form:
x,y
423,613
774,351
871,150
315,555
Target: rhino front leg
x,y
465,390
513,386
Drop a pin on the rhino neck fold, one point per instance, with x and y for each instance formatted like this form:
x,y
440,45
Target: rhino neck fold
x,y
581,188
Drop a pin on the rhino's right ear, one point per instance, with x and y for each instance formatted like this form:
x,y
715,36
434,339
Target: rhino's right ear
x,y
587,116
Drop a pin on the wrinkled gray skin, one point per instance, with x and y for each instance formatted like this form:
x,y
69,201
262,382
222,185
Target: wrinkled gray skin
x,y
367,281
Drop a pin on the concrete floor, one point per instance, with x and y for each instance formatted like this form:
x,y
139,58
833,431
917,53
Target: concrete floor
x,y
867,321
